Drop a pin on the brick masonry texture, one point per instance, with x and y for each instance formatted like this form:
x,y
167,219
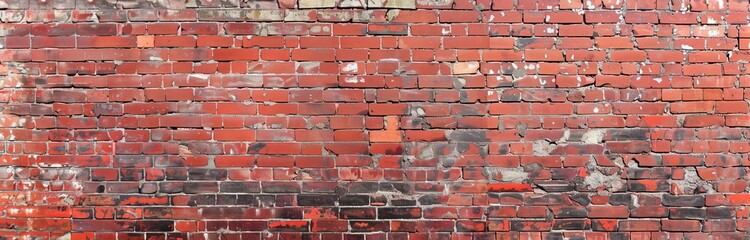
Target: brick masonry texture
x,y
374,119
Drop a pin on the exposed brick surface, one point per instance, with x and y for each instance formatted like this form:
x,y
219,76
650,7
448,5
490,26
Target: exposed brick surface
x,y
374,119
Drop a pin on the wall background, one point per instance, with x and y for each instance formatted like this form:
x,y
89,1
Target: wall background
x,y
374,119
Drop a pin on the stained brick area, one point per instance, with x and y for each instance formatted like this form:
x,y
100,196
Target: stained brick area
x,y
374,119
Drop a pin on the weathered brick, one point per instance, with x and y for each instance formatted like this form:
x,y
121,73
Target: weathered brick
x,y
683,201
317,200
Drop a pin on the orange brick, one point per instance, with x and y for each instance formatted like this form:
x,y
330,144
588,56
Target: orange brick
x,y
145,41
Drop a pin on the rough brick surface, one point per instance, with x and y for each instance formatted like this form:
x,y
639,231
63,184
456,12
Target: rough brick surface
x,y
374,119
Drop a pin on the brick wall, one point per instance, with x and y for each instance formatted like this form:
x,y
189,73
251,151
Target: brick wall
x,y
374,119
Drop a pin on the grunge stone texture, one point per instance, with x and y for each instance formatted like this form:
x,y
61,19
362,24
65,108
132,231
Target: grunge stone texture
x,y
374,119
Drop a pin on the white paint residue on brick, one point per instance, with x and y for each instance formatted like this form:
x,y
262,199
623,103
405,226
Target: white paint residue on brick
x,y
351,67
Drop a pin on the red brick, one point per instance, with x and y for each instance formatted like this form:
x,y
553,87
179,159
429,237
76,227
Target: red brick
x,y
642,17
576,30
449,16
628,56
564,17
681,225
233,135
738,120
349,117
543,55
553,109
692,107
235,54
639,225
707,57
608,212
614,42
174,41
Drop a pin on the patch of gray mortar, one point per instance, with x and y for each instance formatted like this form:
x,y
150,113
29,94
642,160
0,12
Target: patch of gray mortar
x,y
692,181
448,160
565,136
521,128
427,153
434,2
514,174
363,16
593,136
633,164
64,237
518,73
521,43
595,179
391,14
543,147
406,161
418,112
459,83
